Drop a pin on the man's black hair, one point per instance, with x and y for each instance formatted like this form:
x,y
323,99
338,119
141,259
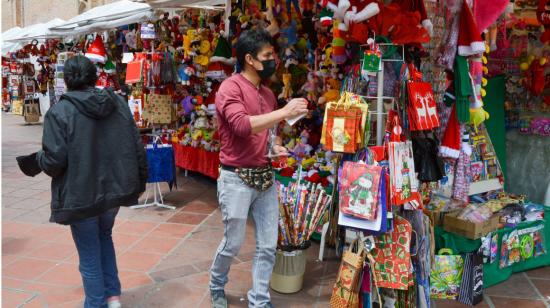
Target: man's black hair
x,y
79,73
251,42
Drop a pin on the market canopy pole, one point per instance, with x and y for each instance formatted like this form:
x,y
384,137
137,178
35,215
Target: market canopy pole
x,y
226,17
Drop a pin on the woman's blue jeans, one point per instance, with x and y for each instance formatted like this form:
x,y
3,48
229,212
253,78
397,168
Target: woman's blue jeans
x,y
96,252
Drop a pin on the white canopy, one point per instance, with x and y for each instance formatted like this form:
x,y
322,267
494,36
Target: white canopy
x,y
200,4
105,17
37,31
9,46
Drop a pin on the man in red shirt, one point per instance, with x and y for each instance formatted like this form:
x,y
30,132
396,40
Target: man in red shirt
x,y
246,111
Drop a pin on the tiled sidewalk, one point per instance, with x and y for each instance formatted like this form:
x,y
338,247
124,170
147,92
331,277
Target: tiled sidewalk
x,y
163,255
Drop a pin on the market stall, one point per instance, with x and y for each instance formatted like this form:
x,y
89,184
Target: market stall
x,y
400,161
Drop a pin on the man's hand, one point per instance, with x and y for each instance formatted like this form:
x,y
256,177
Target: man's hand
x,y
295,107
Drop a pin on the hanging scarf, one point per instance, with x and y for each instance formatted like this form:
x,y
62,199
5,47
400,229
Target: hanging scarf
x,y
463,89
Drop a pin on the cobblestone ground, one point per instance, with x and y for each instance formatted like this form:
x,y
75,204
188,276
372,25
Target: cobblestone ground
x,y
163,255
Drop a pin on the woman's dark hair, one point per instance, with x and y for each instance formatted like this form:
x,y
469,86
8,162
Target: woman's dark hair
x,y
251,42
79,73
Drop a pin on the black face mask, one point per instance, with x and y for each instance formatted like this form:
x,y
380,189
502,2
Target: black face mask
x,y
269,69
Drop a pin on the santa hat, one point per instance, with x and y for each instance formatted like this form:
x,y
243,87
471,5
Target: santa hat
x,y
487,12
221,63
326,17
469,36
450,145
96,51
223,52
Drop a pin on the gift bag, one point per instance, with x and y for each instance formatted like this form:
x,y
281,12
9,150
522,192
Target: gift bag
x,y
446,275
403,181
160,159
392,267
345,293
359,188
134,72
422,110
158,109
471,289
31,110
344,124
17,107
340,129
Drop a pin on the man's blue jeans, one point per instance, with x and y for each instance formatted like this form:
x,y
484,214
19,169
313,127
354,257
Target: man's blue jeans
x,y
96,252
237,201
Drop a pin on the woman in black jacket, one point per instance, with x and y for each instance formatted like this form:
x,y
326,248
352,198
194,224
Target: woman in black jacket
x,y
92,150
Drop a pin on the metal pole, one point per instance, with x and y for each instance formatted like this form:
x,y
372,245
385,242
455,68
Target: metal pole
x,y
380,107
226,17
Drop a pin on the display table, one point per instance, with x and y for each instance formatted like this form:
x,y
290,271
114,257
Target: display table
x,y
197,160
492,273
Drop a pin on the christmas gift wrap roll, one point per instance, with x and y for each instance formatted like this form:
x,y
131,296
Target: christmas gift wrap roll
x,y
288,272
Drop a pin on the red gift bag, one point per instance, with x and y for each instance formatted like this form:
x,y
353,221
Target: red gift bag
x,y
134,72
359,189
422,109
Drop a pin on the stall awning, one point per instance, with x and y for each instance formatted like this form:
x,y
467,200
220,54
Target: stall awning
x,y
200,4
105,17
8,47
37,31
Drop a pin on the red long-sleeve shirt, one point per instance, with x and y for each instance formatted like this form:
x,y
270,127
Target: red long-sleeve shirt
x,y
238,99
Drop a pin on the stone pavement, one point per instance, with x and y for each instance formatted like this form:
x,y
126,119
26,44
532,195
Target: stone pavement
x,y
163,255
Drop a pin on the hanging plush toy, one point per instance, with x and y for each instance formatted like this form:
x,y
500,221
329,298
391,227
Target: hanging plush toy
x,y
534,74
543,15
348,12
287,88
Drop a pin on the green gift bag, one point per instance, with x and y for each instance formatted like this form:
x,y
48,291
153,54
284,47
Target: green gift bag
x,y
446,275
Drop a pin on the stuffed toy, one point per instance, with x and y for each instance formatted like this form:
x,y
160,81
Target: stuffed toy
x,y
185,72
417,6
338,45
332,92
310,87
534,79
308,163
401,27
288,34
543,16
273,27
289,4
302,148
287,87
187,43
347,12
290,57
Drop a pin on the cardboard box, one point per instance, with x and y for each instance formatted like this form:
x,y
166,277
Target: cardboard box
x,y
435,217
467,228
